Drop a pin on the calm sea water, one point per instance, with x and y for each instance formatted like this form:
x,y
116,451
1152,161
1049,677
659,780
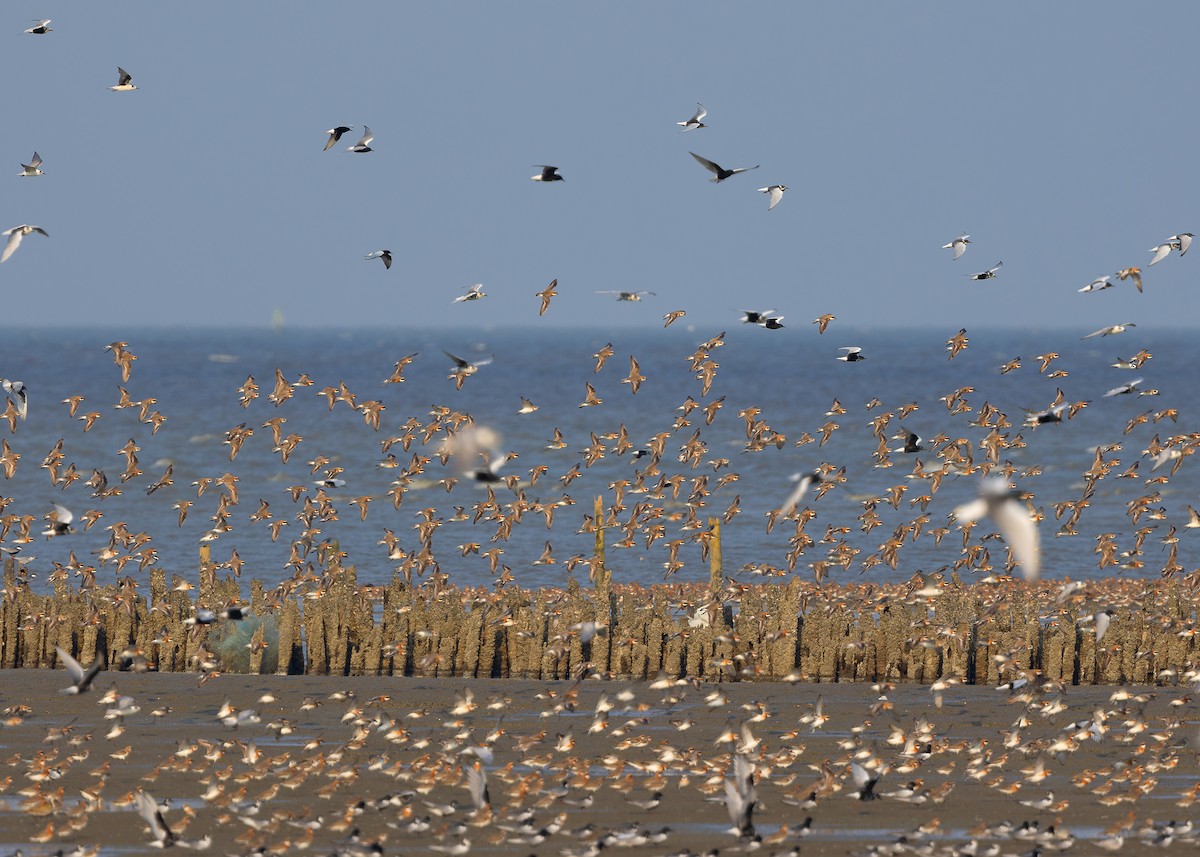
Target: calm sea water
x,y
791,375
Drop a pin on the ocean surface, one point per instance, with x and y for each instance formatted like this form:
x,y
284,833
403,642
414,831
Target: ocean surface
x,y
792,376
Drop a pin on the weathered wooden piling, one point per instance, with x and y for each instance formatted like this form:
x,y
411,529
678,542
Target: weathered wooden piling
x,y
713,630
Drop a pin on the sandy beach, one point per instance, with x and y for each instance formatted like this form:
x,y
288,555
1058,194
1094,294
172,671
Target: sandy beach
x,y
365,765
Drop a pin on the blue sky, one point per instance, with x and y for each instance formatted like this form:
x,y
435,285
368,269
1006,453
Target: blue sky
x,y
1060,136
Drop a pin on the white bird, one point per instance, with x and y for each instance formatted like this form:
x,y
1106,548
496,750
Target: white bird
x,y
958,245
466,366
990,273
1102,620
864,782
803,481
694,123
31,169
20,394
741,796
40,28
1131,387
1099,284
776,191
58,521
14,238
474,293
81,679
150,811
720,172
124,81
1006,507
547,174
1111,330
364,142
385,255
1180,242
853,354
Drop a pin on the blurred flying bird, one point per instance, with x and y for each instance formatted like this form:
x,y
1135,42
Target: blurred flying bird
x,y
14,238
1005,505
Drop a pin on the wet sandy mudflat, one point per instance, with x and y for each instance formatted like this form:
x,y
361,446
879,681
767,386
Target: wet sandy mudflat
x,y
369,771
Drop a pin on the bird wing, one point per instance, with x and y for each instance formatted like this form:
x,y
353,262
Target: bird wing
x,y
707,164
478,787
14,241
1021,533
1160,252
458,361
802,485
969,513
367,137
73,667
1185,241
147,808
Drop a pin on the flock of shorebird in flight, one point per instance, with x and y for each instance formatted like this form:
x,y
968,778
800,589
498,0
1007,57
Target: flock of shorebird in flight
x,y
544,775
1005,505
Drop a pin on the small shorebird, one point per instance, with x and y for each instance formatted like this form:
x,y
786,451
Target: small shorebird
x,y
40,28
853,354
546,294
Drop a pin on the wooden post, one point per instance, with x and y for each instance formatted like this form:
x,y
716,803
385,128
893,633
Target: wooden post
x,y
715,574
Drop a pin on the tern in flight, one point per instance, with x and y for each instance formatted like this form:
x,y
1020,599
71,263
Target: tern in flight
x,y
335,134
364,142
14,238
547,174
719,171
124,81
694,123
958,245
776,191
